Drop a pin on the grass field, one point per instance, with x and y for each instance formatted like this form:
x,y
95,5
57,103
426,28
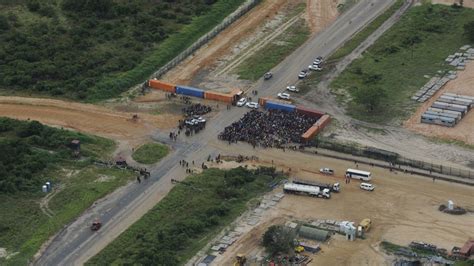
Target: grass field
x,y
393,69
150,153
276,51
36,154
355,41
190,215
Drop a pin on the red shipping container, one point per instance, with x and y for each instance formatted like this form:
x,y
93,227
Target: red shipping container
x,y
316,128
307,111
217,96
162,85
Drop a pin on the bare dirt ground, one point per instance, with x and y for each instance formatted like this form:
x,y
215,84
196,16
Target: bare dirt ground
x,y
321,13
464,130
86,118
212,64
400,213
467,3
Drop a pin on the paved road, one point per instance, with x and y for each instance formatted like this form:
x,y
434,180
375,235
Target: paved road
x,y
76,243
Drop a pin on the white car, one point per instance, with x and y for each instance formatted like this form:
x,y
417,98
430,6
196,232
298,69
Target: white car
x,y
318,60
303,74
292,88
242,102
367,186
283,95
326,171
252,105
315,67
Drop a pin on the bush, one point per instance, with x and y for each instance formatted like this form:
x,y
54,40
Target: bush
x,y
279,239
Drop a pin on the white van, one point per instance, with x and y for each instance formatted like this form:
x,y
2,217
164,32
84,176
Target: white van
x,y
367,186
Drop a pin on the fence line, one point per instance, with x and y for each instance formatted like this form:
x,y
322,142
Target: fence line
x,y
243,9
394,158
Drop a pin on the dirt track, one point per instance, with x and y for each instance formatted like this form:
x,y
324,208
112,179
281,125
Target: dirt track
x,y
247,30
85,118
403,208
467,3
464,130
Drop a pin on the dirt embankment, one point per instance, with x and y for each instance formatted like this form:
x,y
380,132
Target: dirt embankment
x,y
85,118
245,32
464,130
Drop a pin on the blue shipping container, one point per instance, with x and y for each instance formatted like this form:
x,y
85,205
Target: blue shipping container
x,y
279,106
189,91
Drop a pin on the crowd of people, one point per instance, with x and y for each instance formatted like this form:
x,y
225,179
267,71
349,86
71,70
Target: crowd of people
x,y
271,129
196,109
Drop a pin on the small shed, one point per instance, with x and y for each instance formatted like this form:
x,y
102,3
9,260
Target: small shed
x,y
468,248
75,144
313,233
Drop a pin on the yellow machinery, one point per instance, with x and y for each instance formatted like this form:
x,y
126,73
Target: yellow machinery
x,y
240,260
365,224
299,249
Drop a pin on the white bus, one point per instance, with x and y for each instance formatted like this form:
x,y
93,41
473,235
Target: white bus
x,y
358,174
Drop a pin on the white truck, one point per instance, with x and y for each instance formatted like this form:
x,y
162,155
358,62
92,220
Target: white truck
x,y
305,189
332,187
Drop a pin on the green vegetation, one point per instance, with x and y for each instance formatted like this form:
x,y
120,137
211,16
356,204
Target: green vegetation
x,y
33,154
279,239
452,142
381,83
355,41
273,53
93,50
150,153
190,215
464,263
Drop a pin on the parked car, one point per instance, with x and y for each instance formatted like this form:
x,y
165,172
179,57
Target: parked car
x,y
367,186
318,60
252,105
242,102
283,95
292,88
303,74
315,67
268,75
326,171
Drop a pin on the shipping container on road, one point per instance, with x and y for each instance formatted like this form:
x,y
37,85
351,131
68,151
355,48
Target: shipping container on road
x,y
308,111
162,85
271,105
217,96
189,91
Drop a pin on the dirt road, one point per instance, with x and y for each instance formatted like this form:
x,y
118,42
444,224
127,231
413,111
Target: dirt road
x,y
86,118
321,13
466,3
403,208
464,130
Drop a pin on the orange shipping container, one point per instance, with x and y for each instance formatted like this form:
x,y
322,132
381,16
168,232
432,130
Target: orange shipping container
x,y
316,128
162,85
217,96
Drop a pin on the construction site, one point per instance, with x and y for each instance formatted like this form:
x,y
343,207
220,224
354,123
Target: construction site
x,y
339,208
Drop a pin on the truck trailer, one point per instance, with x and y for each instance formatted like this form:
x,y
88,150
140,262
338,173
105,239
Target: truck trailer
x,y
305,189
333,188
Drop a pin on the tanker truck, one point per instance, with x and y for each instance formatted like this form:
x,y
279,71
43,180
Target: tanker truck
x,y
314,191
332,187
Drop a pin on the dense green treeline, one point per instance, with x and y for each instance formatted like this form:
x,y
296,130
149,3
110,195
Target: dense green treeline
x,y
68,48
187,218
30,148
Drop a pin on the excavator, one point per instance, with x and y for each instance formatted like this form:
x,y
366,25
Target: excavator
x,y
240,260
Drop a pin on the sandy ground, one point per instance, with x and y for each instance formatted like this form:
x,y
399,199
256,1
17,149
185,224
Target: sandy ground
x,y
464,130
467,3
403,208
245,37
85,118
321,13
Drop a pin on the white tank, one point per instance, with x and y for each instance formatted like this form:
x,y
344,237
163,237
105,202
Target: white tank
x,y
45,189
450,205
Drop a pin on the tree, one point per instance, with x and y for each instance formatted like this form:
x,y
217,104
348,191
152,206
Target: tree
x,y
278,239
370,97
469,31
